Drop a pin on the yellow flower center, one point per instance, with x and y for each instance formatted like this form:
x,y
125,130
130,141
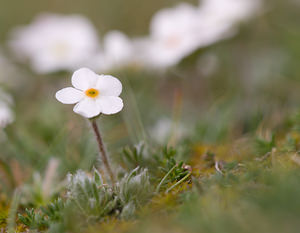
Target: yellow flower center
x,y
93,93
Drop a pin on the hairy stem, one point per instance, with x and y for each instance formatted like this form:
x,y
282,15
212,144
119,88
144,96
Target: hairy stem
x,y
102,151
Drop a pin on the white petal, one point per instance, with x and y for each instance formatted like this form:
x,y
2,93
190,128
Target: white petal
x,y
69,95
87,108
110,104
84,78
109,85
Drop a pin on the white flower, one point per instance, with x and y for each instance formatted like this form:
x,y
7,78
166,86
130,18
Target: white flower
x,y
229,11
172,36
179,31
217,19
55,42
92,93
118,51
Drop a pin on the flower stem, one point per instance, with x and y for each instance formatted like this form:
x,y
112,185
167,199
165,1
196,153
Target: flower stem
x,y
102,150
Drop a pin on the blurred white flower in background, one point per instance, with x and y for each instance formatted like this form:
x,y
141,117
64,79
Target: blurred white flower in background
x,y
6,114
179,31
55,42
172,36
117,52
218,19
229,11
93,94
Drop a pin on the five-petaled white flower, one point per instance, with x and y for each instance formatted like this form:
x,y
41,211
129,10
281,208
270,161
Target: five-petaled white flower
x,y
93,94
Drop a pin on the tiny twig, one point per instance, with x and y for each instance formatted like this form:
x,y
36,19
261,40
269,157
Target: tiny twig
x,y
102,150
